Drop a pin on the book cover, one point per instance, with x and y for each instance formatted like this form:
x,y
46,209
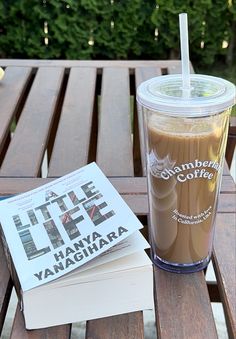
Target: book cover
x,y
64,224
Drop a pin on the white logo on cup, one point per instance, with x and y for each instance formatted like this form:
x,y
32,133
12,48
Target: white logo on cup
x,y
157,165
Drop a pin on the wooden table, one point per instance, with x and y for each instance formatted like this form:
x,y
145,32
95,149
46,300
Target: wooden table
x,y
70,113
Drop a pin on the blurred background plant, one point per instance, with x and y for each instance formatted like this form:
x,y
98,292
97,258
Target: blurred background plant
x,y
120,29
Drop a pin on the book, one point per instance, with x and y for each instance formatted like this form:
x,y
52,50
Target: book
x,y
75,252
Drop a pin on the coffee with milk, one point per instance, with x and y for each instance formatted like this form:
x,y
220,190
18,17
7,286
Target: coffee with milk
x,y
184,169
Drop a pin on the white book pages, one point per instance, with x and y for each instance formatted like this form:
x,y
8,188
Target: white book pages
x,y
108,261
124,285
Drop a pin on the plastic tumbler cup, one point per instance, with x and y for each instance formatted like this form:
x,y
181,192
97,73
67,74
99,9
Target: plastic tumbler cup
x,y
185,139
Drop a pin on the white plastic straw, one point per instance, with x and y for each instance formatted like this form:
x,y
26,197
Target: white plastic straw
x,y
184,47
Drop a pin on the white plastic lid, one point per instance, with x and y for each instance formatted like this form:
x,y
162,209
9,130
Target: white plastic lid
x,y
208,95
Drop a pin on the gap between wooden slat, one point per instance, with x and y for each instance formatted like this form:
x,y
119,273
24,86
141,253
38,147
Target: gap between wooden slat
x,y
213,291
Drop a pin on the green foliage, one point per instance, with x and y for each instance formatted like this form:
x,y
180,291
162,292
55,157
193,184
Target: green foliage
x,y
115,29
210,23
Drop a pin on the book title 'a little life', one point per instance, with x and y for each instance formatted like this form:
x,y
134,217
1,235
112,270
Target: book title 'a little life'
x,y
62,225
69,206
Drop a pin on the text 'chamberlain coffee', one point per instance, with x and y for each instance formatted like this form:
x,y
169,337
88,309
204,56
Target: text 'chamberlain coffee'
x,y
198,171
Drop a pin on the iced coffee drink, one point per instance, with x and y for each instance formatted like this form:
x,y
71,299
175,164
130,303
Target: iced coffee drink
x,y
185,147
184,177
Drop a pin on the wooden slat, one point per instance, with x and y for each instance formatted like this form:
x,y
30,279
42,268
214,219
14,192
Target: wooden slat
x,y
122,326
226,170
12,88
227,203
139,202
183,308
224,259
176,68
90,63
230,149
232,125
228,184
5,287
143,74
19,331
124,185
26,150
133,191
71,146
114,147
146,73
